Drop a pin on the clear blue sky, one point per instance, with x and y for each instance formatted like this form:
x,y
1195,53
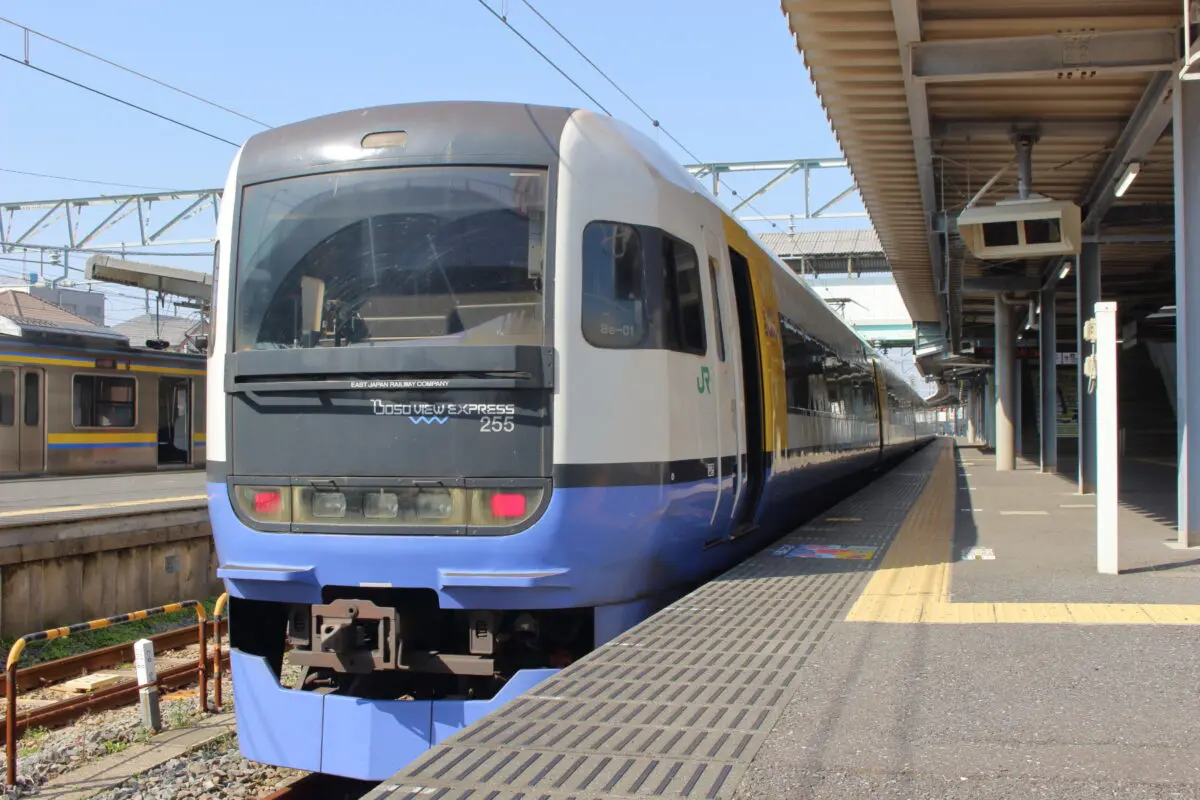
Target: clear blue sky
x,y
724,77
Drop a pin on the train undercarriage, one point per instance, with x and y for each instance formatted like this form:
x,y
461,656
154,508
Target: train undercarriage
x,y
397,644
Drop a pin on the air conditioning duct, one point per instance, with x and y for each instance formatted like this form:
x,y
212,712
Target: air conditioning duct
x,y
1030,228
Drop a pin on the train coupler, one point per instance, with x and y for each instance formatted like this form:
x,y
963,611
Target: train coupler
x,y
349,636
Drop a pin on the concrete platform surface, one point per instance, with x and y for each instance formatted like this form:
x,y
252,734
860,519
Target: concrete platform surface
x,y
897,672
33,500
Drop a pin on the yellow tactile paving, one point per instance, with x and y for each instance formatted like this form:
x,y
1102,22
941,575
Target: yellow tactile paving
x,y
912,585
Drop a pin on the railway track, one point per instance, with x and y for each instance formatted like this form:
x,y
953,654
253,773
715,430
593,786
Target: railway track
x,y
40,676
316,786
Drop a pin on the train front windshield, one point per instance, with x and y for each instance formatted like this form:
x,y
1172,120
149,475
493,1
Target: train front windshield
x,y
395,256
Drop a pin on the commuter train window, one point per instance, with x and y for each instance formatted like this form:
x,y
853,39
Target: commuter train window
x,y
683,298
104,402
8,398
712,276
614,291
803,369
33,399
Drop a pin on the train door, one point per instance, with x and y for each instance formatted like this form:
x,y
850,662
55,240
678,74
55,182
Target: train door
x,y
726,388
32,422
174,420
10,433
751,410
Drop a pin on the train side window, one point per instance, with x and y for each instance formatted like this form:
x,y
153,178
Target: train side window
x,y
712,276
614,291
684,298
8,398
33,399
104,402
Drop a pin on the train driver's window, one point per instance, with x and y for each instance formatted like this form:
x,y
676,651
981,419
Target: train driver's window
x,y
8,397
614,289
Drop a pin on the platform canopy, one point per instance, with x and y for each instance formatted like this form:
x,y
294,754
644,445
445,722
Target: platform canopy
x,y
930,100
168,280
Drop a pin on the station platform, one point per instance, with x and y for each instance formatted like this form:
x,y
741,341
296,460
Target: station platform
x,y
906,668
26,501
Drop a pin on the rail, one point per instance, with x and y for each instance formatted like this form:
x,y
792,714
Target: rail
x,y
12,734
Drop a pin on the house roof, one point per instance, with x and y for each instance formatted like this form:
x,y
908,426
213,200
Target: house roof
x,y
175,330
21,313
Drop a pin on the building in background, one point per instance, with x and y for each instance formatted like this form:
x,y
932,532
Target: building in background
x,y
81,302
850,271
176,334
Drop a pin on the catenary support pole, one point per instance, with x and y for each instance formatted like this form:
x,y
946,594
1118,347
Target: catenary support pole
x,y
1048,383
1107,457
1005,454
1186,140
1087,294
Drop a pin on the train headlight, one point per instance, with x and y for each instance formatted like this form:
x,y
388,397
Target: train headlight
x,y
381,505
392,508
329,504
434,504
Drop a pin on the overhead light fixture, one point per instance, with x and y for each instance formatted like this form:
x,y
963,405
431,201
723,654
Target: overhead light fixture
x,y
1065,271
1131,172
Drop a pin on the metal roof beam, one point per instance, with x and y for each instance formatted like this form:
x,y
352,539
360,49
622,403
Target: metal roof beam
x,y
908,33
1088,128
760,166
1008,283
1146,126
1030,56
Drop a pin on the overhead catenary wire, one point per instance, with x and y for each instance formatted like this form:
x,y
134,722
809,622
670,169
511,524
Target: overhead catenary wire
x,y
604,74
84,180
657,124
118,99
547,58
132,71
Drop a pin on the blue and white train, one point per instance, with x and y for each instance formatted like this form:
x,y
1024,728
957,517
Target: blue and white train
x,y
489,384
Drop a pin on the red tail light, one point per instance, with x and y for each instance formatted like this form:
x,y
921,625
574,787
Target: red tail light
x,y
267,502
508,505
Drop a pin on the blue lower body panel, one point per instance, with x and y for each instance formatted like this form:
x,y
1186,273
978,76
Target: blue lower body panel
x,y
347,736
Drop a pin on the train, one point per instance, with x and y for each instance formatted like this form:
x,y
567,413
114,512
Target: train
x,y
84,408
490,384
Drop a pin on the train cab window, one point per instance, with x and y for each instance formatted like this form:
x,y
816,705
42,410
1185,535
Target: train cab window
x,y
104,402
614,301
8,398
33,399
684,299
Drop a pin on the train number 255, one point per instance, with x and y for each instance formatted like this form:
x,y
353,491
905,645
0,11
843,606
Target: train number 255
x,y
496,425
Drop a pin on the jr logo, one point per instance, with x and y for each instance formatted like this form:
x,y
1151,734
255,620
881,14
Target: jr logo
x,y
702,381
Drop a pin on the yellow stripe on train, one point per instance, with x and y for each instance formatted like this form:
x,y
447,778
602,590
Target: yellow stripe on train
x,y
102,438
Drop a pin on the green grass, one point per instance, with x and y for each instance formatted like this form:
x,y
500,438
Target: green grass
x,y
124,633
32,740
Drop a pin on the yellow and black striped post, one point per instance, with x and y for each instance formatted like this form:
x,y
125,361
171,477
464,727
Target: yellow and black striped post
x,y
18,647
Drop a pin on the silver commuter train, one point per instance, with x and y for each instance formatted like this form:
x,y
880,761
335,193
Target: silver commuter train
x,y
79,409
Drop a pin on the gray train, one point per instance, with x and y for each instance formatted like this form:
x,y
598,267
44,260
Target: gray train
x,y
83,410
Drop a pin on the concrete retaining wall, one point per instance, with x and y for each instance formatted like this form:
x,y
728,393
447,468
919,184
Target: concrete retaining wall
x,y
58,573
